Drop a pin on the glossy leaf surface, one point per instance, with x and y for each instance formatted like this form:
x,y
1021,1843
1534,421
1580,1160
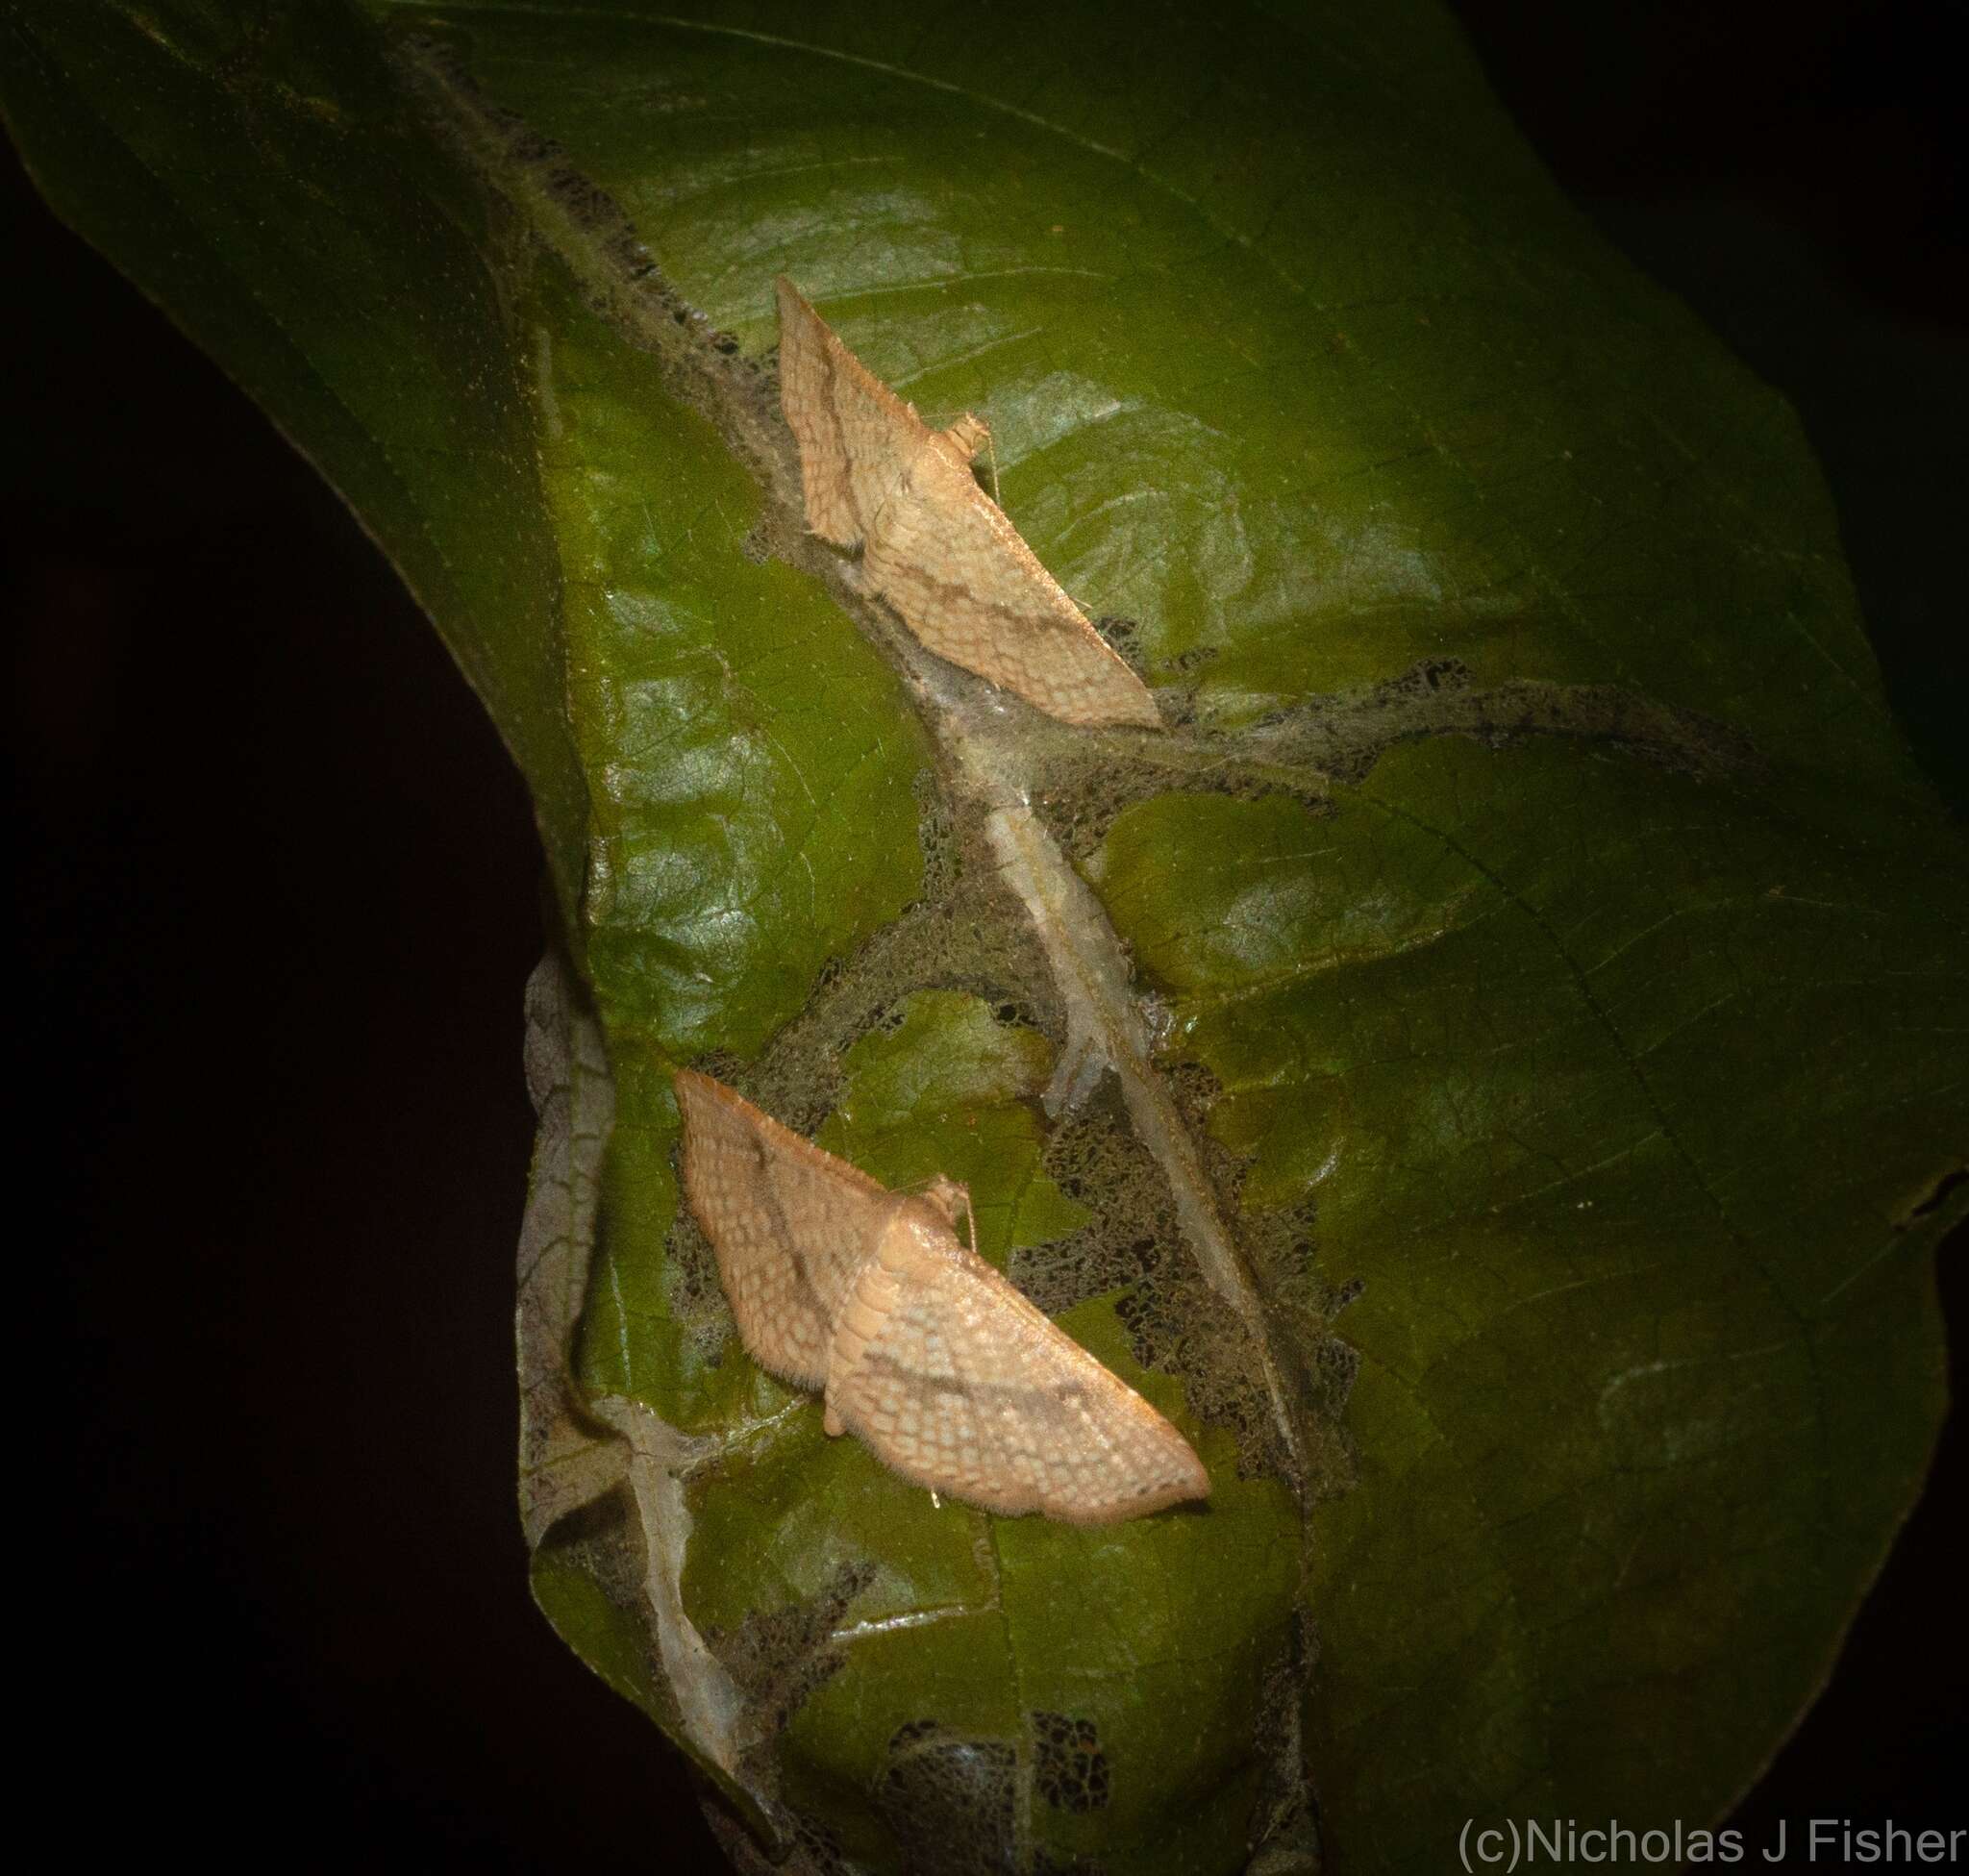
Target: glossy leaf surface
x,y
1554,965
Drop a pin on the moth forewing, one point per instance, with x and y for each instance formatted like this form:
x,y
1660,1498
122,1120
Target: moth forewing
x,y
942,553
955,1380
937,1363
786,1219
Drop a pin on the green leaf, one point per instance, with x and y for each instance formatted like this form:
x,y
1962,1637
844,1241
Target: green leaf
x,y
1488,1070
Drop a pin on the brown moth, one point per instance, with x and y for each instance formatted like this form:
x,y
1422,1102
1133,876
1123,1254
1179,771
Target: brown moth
x,y
947,1374
934,544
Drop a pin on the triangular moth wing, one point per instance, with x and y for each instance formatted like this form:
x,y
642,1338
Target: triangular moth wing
x,y
856,436
959,1384
937,547
943,554
790,1223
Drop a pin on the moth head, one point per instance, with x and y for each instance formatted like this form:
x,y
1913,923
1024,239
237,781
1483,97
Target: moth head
x,y
952,1200
918,1235
971,434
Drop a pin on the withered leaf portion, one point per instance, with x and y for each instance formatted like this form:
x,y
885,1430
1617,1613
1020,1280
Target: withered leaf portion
x,y
935,545
566,1457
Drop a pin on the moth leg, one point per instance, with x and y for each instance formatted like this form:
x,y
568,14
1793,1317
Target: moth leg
x,y
971,433
950,1197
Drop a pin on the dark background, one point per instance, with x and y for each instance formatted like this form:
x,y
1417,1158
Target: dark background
x,y
280,893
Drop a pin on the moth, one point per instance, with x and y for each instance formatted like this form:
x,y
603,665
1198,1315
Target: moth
x,y
933,543
919,1347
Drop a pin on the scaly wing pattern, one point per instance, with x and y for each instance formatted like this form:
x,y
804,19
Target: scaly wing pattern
x,y
959,1384
856,436
790,1222
937,547
943,554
